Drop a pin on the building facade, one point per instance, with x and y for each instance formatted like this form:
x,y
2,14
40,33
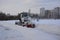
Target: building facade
x,y
42,12
56,12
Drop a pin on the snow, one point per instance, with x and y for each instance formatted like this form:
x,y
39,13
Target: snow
x,y
10,31
47,21
48,25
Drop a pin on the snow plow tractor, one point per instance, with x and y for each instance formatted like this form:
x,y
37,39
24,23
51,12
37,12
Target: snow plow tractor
x,y
25,21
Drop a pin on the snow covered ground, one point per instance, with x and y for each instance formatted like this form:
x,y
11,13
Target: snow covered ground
x,y
47,21
43,30
50,25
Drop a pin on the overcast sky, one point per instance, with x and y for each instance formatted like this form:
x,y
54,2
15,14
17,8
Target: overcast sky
x,y
15,6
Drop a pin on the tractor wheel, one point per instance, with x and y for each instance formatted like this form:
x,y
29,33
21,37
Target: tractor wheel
x,y
16,23
33,26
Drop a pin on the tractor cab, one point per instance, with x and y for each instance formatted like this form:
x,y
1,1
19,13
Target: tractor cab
x,y
24,17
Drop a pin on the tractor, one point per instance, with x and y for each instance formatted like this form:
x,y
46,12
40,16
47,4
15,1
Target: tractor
x,y
25,20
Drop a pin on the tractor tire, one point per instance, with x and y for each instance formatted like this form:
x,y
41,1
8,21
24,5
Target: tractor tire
x,y
33,26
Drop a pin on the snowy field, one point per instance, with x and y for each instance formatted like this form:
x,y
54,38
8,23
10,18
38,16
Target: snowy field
x,y
50,25
45,30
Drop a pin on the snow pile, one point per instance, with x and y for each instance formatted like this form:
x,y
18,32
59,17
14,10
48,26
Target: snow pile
x,y
10,31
